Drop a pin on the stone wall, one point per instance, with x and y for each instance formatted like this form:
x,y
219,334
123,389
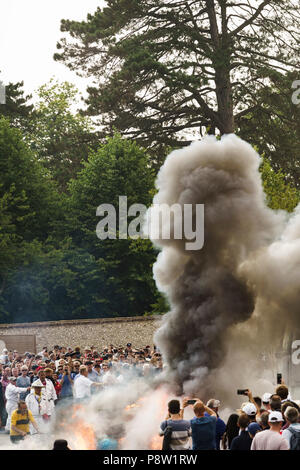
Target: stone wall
x,y
100,332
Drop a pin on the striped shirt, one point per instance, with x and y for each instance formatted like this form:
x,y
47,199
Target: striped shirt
x,y
181,432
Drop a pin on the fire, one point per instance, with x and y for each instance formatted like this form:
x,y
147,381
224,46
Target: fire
x,y
130,407
156,443
82,435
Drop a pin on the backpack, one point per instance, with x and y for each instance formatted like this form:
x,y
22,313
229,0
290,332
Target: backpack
x,y
295,439
167,438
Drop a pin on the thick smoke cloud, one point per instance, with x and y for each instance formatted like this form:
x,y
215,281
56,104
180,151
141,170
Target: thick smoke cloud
x,y
241,270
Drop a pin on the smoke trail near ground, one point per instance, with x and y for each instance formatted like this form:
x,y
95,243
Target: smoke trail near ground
x,y
214,290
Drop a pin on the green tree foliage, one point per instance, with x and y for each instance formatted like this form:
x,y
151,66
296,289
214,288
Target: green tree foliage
x,y
279,193
119,167
17,108
23,176
61,136
166,69
57,268
273,126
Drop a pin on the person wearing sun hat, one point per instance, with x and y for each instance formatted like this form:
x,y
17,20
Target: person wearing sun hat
x,y
266,401
270,439
36,403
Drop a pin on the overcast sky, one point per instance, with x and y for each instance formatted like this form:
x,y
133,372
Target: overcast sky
x,y
29,31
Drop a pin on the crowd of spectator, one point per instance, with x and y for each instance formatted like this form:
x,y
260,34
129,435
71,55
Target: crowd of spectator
x,y
271,422
32,385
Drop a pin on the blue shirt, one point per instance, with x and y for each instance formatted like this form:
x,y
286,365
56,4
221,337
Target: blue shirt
x,y
220,429
66,388
23,382
204,433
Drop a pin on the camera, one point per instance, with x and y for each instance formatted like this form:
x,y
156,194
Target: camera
x,y
279,379
242,391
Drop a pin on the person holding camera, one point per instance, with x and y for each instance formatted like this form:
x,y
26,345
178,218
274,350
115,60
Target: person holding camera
x,y
66,383
175,429
203,426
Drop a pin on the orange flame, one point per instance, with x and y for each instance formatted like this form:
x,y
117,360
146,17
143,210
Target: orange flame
x,y
82,434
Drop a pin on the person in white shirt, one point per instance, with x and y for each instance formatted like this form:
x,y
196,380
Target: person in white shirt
x,y
82,384
12,395
49,394
270,439
36,403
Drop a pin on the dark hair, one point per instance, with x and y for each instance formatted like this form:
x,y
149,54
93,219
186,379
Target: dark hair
x,y
60,444
289,403
232,429
264,419
282,391
257,401
174,407
243,421
275,403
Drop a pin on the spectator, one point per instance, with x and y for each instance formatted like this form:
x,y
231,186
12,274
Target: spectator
x,y
23,381
266,401
243,441
181,428
220,425
275,403
82,384
12,395
282,391
292,416
250,410
264,420
203,427
66,383
231,431
253,428
60,444
270,439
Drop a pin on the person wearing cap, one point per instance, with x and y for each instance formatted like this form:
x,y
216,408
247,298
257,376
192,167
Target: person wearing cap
x,y
270,439
86,351
36,403
12,395
250,410
253,428
23,381
266,401
292,417
20,420
214,405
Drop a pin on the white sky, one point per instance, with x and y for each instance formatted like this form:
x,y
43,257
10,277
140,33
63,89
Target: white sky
x,y
29,31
